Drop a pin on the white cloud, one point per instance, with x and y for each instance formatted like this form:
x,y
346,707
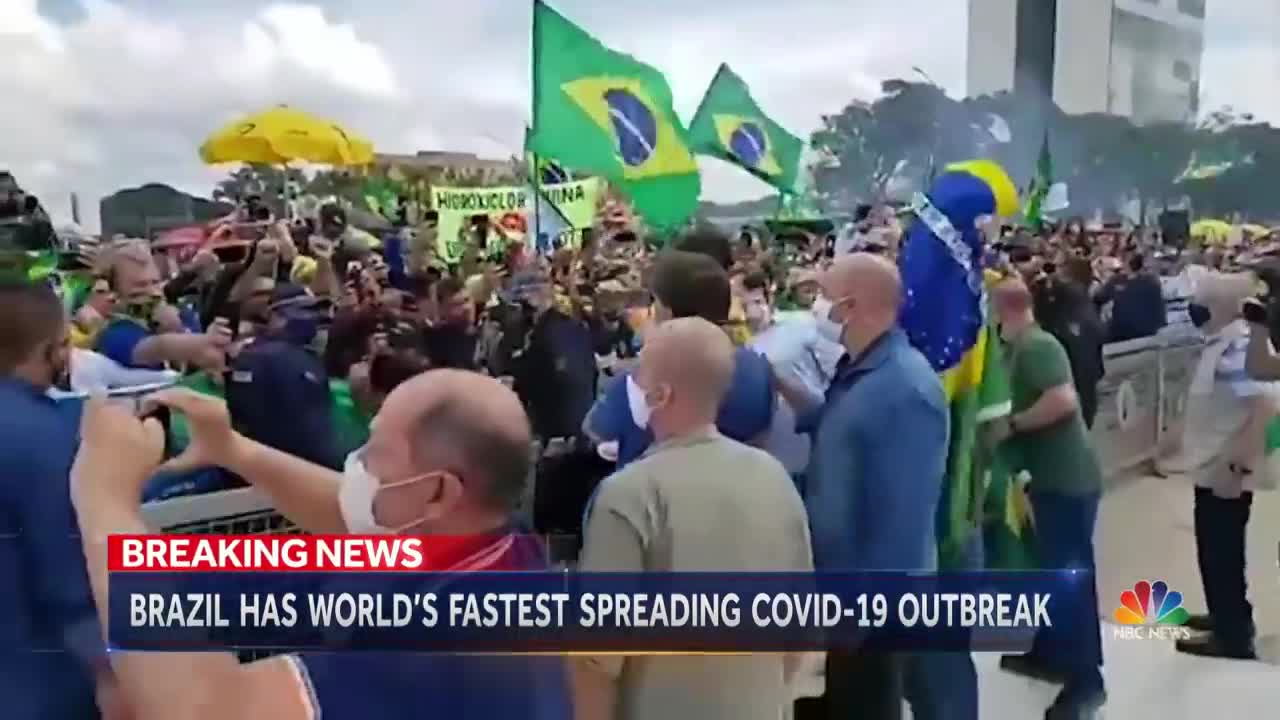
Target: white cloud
x,y
301,34
18,18
124,95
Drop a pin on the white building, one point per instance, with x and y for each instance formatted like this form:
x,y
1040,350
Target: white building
x,y
1137,58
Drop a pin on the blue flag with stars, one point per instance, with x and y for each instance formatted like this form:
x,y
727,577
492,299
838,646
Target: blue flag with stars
x,y
941,260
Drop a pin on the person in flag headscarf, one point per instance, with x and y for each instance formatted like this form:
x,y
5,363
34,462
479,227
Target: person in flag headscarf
x,y
941,262
944,316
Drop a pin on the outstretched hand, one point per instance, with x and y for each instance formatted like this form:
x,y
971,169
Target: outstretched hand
x,y
213,441
118,454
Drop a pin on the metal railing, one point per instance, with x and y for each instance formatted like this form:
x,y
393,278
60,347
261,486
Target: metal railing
x,y
1142,400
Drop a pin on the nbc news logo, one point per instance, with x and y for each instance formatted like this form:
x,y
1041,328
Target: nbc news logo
x,y
1151,611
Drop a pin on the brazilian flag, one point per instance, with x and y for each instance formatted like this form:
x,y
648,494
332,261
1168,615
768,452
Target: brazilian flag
x,y
1040,186
599,111
977,392
730,125
543,170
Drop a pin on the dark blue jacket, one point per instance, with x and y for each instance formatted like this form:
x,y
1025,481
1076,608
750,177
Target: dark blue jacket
x,y
1137,308
49,634
278,394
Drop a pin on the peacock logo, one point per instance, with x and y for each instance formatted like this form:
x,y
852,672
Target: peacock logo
x,y
1151,603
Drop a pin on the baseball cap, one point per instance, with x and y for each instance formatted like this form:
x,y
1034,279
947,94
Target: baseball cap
x,y
289,298
525,282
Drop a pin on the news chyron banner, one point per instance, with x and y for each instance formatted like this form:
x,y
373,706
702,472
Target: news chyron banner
x,y
336,593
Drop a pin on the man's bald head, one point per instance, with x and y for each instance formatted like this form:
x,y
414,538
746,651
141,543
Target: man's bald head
x,y
865,292
465,423
693,357
871,279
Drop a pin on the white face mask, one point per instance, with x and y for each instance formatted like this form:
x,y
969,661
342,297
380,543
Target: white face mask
x,y
637,403
827,328
758,313
356,494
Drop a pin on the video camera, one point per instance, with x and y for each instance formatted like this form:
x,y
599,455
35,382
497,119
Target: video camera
x,y
24,225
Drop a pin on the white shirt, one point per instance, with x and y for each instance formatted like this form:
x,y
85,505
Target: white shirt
x,y
1219,402
93,373
799,355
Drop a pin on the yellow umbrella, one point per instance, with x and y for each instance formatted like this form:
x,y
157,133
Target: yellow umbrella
x,y
1210,228
283,134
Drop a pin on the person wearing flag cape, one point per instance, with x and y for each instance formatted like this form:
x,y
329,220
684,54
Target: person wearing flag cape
x,y
945,316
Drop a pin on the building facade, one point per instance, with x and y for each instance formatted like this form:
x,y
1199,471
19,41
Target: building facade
x,y
443,164
1136,58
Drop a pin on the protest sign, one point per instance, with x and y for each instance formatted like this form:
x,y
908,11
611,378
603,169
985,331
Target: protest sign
x,y
576,200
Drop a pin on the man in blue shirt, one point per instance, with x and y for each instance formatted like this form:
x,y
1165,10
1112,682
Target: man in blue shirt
x,y
447,460
687,284
147,332
51,652
878,460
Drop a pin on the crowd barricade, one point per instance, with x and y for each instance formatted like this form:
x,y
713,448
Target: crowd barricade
x,y
1142,399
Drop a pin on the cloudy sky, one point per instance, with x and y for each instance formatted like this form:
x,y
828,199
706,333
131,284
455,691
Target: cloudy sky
x,y
104,94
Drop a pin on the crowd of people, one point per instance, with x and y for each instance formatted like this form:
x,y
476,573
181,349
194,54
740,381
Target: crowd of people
x,y
729,404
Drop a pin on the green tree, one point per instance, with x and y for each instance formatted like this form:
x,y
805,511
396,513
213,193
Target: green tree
x,y
915,126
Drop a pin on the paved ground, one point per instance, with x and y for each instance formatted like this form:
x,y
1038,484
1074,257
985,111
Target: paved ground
x,y
1145,532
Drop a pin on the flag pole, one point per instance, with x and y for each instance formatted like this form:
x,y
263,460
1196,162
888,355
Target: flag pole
x,y
537,194
535,176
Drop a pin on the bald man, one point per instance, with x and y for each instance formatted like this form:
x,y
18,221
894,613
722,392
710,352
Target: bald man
x,y
878,460
683,507
1048,439
447,458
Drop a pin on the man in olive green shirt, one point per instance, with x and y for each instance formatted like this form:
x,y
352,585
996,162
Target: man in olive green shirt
x,y
1047,438
1056,453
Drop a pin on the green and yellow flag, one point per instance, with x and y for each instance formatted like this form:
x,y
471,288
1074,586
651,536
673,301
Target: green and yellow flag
x,y
731,126
1040,185
600,111
543,170
978,391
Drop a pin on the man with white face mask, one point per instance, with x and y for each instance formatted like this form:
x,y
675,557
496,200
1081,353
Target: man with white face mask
x,y
878,460
682,508
448,457
687,284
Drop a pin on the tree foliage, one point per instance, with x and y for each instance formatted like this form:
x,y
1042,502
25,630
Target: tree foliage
x,y
269,182
871,150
